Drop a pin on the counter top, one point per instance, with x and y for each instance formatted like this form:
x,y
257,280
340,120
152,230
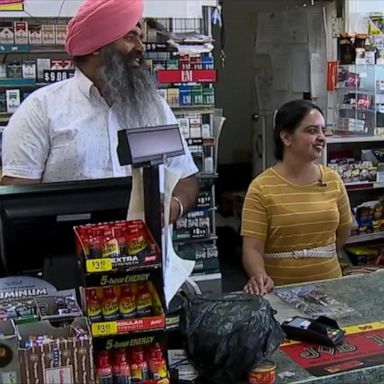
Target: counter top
x,y
365,294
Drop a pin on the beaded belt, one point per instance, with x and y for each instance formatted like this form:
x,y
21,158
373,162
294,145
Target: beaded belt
x,y
328,251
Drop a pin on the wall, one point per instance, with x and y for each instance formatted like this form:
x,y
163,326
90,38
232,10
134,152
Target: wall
x,y
234,90
356,6
356,12
235,86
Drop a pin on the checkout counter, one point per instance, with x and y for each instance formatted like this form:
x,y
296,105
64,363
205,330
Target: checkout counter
x,y
365,350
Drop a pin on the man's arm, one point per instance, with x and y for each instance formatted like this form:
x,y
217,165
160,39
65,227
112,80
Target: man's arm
x,y
8,180
26,142
185,193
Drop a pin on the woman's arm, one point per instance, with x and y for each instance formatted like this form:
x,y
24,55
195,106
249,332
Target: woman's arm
x,y
259,282
341,237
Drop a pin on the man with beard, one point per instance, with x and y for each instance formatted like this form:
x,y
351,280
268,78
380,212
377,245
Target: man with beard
x,y
68,130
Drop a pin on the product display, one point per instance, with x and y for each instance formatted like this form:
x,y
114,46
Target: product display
x,y
70,347
139,364
312,301
124,308
120,244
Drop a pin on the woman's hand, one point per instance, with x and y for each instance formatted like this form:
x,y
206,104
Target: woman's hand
x,y
259,284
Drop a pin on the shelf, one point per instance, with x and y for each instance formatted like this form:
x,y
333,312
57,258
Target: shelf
x,y
24,48
352,139
197,240
365,237
188,76
123,327
349,107
362,185
200,109
120,264
207,175
203,209
204,141
17,82
158,47
21,48
356,89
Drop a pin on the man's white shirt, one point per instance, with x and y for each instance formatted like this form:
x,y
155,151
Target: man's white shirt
x,y
66,131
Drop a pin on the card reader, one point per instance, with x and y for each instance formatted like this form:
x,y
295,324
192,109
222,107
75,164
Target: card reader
x,y
322,330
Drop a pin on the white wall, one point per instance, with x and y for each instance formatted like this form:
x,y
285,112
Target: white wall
x,y
357,6
356,12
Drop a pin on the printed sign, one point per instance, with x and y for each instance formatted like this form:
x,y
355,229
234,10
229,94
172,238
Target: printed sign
x,y
15,287
363,347
61,375
54,75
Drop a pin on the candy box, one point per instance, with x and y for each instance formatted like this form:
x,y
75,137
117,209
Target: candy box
x,y
56,355
9,367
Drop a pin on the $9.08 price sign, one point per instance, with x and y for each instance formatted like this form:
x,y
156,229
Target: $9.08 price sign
x,y
54,75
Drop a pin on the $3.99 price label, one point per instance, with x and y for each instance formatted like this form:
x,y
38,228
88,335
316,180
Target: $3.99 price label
x,y
54,75
104,329
99,265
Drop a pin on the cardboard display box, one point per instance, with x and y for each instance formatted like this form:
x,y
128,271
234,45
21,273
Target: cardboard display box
x,y
65,360
9,359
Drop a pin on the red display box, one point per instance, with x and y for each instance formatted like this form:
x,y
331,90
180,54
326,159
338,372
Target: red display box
x,y
127,245
153,319
187,76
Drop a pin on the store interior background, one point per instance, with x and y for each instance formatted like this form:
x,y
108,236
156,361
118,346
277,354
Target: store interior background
x,y
235,92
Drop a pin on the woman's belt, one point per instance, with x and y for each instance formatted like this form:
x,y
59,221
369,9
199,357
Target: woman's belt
x,y
323,252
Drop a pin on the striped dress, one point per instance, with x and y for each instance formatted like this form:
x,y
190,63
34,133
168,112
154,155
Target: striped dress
x,y
294,217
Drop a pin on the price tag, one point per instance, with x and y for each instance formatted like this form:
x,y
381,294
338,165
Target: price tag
x,y
104,329
54,75
99,265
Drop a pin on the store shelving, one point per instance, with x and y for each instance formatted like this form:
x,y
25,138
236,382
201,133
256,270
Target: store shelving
x,y
362,190
353,139
31,49
365,238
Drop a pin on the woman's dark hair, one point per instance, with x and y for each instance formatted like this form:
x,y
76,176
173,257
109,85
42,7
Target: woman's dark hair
x,y
287,119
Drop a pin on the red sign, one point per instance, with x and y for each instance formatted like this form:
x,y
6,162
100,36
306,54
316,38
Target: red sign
x,y
3,2
364,349
186,76
331,75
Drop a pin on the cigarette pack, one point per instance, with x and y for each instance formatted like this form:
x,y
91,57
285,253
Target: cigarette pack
x,y
13,99
20,29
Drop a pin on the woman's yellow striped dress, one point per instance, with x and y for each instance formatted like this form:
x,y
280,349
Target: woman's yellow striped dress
x,y
293,217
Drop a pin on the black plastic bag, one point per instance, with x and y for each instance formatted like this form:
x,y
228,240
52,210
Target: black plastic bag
x,y
227,335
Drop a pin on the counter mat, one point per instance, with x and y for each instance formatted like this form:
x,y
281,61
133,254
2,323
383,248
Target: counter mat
x,y
363,347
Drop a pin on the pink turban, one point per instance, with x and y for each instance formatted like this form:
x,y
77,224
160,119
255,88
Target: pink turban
x,y
100,22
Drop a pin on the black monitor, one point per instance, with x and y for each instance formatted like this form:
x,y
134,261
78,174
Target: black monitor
x,y
36,224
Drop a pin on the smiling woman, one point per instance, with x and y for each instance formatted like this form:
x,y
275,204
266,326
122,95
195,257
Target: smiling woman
x,y
296,214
